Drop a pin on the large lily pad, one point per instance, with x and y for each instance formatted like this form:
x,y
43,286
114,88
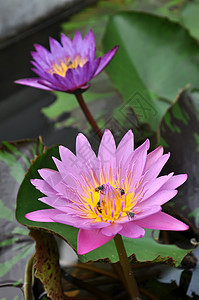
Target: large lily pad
x,y
145,249
156,59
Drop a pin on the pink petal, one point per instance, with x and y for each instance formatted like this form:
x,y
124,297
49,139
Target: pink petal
x,y
155,168
106,153
153,157
152,187
106,59
33,82
53,178
43,187
44,215
89,240
159,198
111,230
175,182
70,161
162,221
56,202
146,210
125,148
84,151
90,163
137,164
78,221
140,213
131,230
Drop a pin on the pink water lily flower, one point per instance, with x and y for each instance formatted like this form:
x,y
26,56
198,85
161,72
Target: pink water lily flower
x,y
69,66
116,192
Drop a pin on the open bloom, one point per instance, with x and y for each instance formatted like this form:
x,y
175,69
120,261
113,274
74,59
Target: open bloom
x,y
69,66
116,192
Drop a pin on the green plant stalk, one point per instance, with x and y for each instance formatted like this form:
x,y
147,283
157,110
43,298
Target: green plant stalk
x,y
88,115
28,279
126,267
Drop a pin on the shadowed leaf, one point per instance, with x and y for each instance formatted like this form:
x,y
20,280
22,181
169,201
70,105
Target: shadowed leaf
x,y
179,131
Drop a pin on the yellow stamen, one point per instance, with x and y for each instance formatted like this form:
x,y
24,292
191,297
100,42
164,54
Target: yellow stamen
x,y
65,64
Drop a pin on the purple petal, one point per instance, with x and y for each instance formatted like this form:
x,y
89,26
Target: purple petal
x,y
132,230
44,215
162,221
77,42
56,48
41,72
112,230
40,61
79,77
33,82
89,46
106,59
44,54
67,45
66,83
89,240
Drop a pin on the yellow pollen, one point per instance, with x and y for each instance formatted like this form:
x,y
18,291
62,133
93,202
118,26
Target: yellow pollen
x,y
65,64
110,204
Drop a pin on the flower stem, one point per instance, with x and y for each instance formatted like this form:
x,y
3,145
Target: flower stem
x,y
28,279
127,270
88,115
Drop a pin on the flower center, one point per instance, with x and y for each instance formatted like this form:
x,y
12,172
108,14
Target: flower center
x,y
109,203
67,63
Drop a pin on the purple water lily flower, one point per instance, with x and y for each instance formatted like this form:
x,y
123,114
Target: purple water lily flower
x,y
69,66
116,192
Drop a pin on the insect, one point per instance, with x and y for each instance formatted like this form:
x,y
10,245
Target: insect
x,y
122,192
99,188
130,215
69,63
99,207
